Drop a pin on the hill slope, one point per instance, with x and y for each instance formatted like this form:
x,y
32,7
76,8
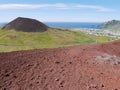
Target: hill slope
x,y
112,25
26,25
88,67
11,40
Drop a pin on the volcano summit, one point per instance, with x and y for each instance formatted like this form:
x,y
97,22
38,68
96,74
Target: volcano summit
x,y
26,25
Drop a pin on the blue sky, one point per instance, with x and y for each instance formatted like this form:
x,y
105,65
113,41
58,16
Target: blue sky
x,y
60,10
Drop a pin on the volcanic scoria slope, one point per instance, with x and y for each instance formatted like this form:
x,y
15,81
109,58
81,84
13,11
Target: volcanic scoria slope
x,y
26,25
85,67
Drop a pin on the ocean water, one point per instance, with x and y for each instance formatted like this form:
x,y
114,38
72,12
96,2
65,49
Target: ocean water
x,y
2,24
73,24
69,24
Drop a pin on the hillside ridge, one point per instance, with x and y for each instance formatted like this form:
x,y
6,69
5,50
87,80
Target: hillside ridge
x,y
111,25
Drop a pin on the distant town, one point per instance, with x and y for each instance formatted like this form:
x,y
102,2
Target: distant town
x,y
100,32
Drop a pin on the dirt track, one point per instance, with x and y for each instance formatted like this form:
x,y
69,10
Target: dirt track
x,y
89,67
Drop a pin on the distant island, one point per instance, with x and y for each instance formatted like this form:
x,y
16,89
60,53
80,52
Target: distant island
x,y
113,25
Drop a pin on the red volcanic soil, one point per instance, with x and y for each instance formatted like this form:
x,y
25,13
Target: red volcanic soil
x,y
86,67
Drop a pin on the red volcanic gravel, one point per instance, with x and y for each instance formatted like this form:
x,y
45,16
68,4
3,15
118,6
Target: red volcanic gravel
x,y
86,67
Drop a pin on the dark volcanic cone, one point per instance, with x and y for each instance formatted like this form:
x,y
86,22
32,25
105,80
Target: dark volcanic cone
x,y
26,25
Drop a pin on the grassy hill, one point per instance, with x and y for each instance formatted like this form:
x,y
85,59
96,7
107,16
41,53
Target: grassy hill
x,y
11,40
111,25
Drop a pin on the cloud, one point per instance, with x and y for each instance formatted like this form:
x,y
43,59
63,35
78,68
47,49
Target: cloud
x,y
98,8
55,6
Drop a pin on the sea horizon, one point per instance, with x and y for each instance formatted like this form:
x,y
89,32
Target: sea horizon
x,y
93,25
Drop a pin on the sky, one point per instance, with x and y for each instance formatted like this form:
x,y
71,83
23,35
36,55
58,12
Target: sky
x,y
60,10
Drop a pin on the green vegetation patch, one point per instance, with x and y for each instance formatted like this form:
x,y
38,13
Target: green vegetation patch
x,y
11,40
